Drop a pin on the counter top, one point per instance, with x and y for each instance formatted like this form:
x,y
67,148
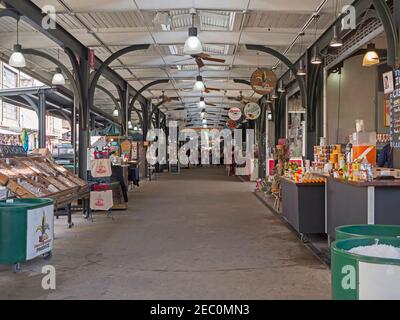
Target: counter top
x,y
374,183
306,184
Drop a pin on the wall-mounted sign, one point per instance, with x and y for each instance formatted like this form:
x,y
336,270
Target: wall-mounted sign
x,y
252,111
395,112
231,124
234,113
388,85
263,81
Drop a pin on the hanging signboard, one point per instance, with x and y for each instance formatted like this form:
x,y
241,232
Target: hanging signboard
x,y
40,231
395,111
231,124
263,81
252,111
234,113
7,151
134,151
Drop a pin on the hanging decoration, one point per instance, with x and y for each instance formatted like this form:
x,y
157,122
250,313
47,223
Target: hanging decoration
x,y
231,124
263,81
252,111
234,113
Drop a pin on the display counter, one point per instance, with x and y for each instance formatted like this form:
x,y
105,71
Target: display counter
x,y
303,205
349,202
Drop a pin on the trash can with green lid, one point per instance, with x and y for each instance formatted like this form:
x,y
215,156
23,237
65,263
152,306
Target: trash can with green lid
x,y
26,229
367,230
361,277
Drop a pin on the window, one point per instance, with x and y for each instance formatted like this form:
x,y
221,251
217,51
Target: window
x,y
9,111
9,78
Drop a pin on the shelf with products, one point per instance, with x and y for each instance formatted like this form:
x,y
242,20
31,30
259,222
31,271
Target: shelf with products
x,y
38,177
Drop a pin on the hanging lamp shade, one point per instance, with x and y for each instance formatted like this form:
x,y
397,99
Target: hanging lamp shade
x,y
192,44
17,59
316,58
115,113
302,70
58,78
371,58
336,42
202,104
199,85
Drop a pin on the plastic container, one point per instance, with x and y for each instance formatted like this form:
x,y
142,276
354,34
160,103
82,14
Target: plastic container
x,y
26,229
367,230
359,277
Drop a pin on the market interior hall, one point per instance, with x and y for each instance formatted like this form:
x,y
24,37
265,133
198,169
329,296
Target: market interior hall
x,y
199,150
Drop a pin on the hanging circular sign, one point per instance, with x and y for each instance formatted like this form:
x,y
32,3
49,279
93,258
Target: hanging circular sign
x,y
234,113
263,81
252,111
231,124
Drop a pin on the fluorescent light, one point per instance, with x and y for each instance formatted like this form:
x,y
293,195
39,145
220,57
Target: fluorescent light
x,y
192,45
17,59
58,78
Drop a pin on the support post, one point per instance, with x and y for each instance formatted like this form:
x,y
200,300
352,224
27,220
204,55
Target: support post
x,y
84,135
73,130
42,119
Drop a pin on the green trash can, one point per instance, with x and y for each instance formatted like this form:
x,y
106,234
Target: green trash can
x,y
359,277
367,230
26,229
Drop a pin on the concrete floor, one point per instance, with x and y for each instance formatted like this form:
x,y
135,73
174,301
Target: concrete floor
x,y
196,235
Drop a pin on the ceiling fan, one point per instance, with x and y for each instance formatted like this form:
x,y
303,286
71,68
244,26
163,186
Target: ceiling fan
x,y
200,57
241,98
203,103
165,98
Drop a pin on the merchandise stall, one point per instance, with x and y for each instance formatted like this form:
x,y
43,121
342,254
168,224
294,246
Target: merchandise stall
x,y
38,177
303,199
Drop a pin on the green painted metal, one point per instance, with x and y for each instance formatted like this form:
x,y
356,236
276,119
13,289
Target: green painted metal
x,y
345,265
13,228
367,230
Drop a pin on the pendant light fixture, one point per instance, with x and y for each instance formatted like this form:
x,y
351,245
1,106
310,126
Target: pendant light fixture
x,y
17,59
202,104
274,96
130,125
316,57
199,84
115,113
192,45
371,58
204,121
58,78
336,42
302,70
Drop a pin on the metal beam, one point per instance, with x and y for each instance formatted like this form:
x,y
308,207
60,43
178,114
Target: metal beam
x,y
104,66
34,16
141,90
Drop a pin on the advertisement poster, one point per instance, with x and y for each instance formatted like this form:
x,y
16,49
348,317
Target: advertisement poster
x,y
40,231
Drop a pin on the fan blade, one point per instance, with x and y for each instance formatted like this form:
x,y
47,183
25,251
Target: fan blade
x,y
183,60
178,109
233,98
199,62
214,59
212,89
211,104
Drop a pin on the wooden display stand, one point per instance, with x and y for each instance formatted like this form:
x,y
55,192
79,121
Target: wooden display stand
x,y
38,177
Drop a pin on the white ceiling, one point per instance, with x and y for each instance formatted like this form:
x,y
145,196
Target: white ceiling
x,y
225,26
